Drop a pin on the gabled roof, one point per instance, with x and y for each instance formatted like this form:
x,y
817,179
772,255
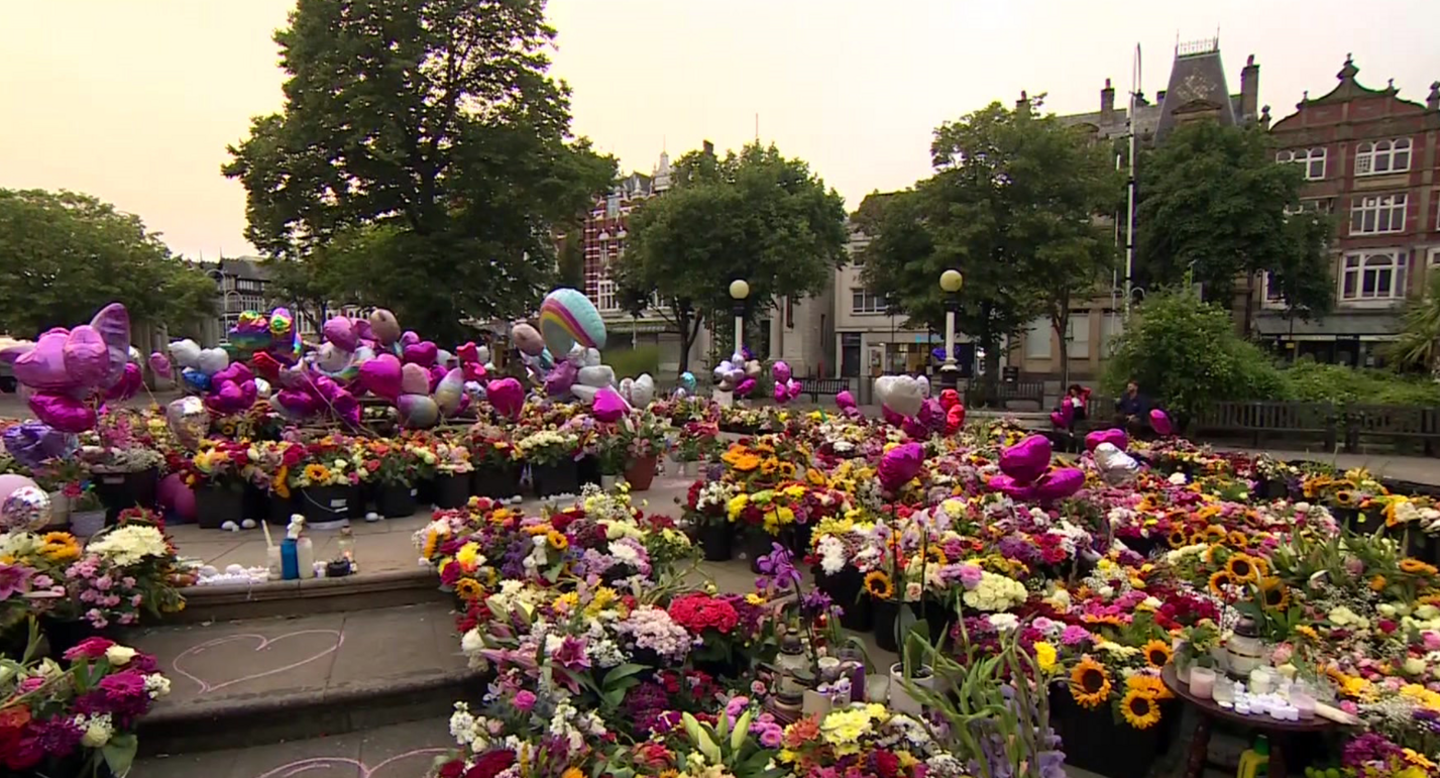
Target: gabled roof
x,y
1197,84
1349,89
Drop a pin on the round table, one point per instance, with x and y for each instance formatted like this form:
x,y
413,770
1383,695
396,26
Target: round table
x,y
1208,711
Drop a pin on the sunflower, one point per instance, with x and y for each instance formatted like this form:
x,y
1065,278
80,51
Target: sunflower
x,y
1238,539
1241,568
1177,537
1307,632
1157,653
557,540
468,589
1212,554
935,555
1346,498
1089,683
317,474
1218,582
1148,684
1215,534
432,542
60,547
815,477
1140,710
279,485
879,585
1407,565
769,466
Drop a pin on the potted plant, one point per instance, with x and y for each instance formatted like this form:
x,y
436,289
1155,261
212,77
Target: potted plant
x,y
216,474
707,513
325,491
697,441
87,511
644,436
913,671
452,474
62,479
609,453
497,472
551,457
395,472
1195,648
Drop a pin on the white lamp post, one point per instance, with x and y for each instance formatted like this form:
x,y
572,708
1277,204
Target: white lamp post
x,y
739,290
950,283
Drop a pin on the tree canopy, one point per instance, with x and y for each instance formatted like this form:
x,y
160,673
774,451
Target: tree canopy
x,y
754,215
1213,197
1011,205
429,139
66,255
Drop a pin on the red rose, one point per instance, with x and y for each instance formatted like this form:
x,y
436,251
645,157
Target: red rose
x,y
491,764
887,764
452,769
89,648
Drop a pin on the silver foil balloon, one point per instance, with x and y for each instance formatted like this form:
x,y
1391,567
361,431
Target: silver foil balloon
x,y
26,508
262,388
188,419
1116,466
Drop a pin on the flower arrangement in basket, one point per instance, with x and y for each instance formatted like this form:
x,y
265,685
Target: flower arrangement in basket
x,y
218,464
491,447
644,435
548,447
391,463
452,458
126,571
698,441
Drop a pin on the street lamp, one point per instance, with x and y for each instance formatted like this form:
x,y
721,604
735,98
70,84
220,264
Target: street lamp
x,y
739,290
950,283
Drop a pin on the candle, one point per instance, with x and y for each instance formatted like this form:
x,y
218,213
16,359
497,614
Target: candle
x,y
1262,680
1304,704
1202,682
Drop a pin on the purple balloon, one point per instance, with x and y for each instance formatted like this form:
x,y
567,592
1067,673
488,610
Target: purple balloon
x,y
32,442
782,395
780,371
1009,486
1026,460
1114,436
932,415
42,368
899,465
437,374
608,406
915,429
507,396
892,418
128,385
1160,422
1059,484
87,358
561,378
409,338
381,376
845,401
113,324
422,354
745,388
63,412
160,364
298,403
345,407
340,331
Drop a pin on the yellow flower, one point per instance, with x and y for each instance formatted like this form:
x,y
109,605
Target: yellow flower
x,y
1089,683
468,589
573,772
878,585
317,474
557,540
60,547
1148,684
1157,653
1417,567
468,556
601,600
1273,593
1139,709
1218,582
1045,656
736,505
1242,568
754,599
1307,631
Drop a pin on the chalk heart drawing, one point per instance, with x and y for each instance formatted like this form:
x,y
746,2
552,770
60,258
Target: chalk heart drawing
x,y
340,767
330,640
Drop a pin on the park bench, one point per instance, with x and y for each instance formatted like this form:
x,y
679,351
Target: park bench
x,y
1392,423
1002,393
823,387
1260,418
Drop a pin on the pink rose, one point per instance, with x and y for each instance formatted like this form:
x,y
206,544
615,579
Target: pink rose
x,y
525,700
89,648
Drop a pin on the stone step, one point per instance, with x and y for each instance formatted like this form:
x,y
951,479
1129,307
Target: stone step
x,y
384,589
266,680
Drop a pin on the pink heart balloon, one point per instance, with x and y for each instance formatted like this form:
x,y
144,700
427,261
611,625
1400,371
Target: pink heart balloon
x,y
382,376
340,331
422,354
782,395
915,429
159,364
113,324
794,387
130,382
1059,484
408,338
414,379
298,403
474,371
1115,437
1058,419
507,396
63,412
345,407
608,406
1009,486
1160,422
1026,460
845,400
468,352
780,371
437,374
42,368
87,358
891,417
745,388
899,465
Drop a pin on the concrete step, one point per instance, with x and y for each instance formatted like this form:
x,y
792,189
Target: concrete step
x,y
266,680
386,589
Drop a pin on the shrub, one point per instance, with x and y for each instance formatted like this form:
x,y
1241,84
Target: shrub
x,y
631,362
1343,385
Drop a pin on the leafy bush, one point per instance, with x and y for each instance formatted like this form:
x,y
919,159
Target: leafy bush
x,y
1312,382
1186,354
631,362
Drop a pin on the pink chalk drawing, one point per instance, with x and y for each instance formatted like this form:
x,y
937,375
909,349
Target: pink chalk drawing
x,y
361,770
262,643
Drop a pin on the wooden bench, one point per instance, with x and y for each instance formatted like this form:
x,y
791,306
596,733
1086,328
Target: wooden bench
x,y
979,395
1392,422
823,387
1261,417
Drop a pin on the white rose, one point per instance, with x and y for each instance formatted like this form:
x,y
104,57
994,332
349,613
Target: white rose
x,y
1414,665
119,656
97,734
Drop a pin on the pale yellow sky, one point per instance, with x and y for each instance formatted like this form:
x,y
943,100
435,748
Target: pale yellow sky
x,y
134,100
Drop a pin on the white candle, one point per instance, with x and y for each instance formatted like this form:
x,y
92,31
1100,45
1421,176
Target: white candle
x,y
1202,682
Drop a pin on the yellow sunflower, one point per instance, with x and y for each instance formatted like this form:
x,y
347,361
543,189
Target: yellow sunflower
x,y
317,474
1215,534
1307,632
1148,684
935,555
1177,537
1241,568
1346,498
1377,584
468,589
557,540
60,547
280,485
1089,683
1414,566
1140,710
1218,582
1157,653
815,477
1274,593
878,585
432,542
1238,539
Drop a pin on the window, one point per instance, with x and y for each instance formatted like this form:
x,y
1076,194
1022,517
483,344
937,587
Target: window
x,y
1037,339
1312,161
1273,294
1375,275
862,301
1111,325
1077,336
605,296
1377,214
252,302
1373,158
1320,205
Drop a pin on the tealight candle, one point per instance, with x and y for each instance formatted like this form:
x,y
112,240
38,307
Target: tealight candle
x,y
1262,680
1202,682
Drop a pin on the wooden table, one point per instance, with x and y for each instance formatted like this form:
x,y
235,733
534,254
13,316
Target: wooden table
x,y
1208,712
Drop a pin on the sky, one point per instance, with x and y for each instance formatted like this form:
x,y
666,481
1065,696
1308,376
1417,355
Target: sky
x,y
134,101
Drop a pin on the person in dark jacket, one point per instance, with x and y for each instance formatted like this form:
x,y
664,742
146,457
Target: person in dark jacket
x,y
1131,408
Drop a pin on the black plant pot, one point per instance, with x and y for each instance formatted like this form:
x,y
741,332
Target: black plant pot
x,y
256,502
425,491
1142,545
322,505
366,495
756,544
395,501
1098,741
560,478
886,612
939,618
74,766
452,490
847,589
1274,489
63,634
717,541
215,505
279,510
797,539
498,482
587,471
118,491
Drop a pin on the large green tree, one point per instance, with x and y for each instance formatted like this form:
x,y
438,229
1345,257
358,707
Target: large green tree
x,y
430,137
1012,205
63,256
754,215
1213,200
1418,347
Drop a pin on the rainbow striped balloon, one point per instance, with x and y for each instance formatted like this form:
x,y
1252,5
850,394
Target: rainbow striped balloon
x,y
568,317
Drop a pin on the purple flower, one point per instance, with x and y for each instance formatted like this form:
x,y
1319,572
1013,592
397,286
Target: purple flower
x,y
778,569
13,579
571,654
1074,635
970,576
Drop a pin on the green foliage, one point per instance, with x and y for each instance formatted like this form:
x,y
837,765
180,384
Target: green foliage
x,y
1312,382
1419,344
1012,206
1186,354
1213,197
631,362
754,215
428,141
67,255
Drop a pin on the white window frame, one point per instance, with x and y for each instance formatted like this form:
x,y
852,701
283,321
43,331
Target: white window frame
x,y
1385,210
1319,205
1077,335
869,303
1362,265
1312,161
605,296
1037,339
1382,157
1112,326
1266,299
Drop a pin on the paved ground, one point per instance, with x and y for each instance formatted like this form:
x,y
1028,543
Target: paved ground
x,y
1421,470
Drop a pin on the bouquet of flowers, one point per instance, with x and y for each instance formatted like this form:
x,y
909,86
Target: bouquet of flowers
x,y
548,447
698,441
491,446
392,463
124,572
218,463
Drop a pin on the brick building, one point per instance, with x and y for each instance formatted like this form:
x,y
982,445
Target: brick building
x,y
1370,159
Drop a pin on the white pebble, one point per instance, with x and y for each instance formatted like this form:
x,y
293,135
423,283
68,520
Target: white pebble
x,y
230,526
372,516
248,524
233,569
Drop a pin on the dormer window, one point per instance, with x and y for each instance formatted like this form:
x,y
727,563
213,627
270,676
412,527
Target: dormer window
x,y
1373,158
1312,161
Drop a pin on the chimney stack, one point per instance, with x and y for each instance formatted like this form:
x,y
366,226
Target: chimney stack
x,y
1433,101
708,148
1107,104
1250,89
1023,104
